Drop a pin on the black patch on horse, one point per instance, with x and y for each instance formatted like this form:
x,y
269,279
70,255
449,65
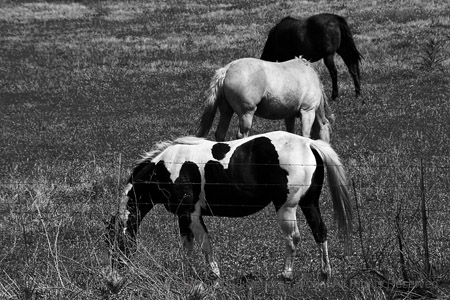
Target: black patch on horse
x,y
186,192
253,179
142,172
153,181
146,191
186,189
219,150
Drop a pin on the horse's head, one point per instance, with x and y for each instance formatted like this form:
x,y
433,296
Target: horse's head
x,y
119,240
123,225
135,202
121,229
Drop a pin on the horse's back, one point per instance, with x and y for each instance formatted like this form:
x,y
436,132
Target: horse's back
x,y
256,72
291,150
278,145
294,75
327,27
272,90
245,83
294,150
298,67
244,71
296,82
314,38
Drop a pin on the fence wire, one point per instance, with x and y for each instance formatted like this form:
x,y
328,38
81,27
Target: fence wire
x,y
82,206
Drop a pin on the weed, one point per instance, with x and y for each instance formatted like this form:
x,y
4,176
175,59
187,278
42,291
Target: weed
x,y
432,55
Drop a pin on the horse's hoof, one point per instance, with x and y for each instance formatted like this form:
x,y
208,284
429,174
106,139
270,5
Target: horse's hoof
x,y
323,278
114,281
198,291
213,277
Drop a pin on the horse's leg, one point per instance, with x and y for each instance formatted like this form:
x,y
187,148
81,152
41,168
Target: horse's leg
x,y
245,124
307,117
352,62
226,112
321,130
201,235
187,236
187,239
286,217
123,227
324,261
310,207
329,63
131,212
290,124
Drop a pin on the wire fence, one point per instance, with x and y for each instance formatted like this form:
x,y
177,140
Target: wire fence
x,y
387,205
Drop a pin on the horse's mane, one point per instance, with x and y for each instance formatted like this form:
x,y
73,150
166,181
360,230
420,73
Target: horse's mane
x,y
189,140
157,149
304,60
161,146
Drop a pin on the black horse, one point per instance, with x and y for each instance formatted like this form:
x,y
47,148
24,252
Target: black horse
x,y
317,37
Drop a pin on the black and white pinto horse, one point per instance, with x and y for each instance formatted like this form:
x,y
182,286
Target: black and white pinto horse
x,y
319,36
193,177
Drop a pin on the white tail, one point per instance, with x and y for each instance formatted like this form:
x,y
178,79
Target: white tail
x,y
212,98
337,181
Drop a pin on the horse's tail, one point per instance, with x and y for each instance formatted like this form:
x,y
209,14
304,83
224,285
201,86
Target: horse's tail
x,y
322,123
348,50
324,111
337,182
212,98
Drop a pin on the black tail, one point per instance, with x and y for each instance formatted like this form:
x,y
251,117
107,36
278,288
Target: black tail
x,y
350,54
348,50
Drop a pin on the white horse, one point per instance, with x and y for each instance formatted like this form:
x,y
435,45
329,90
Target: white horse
x,y
270,90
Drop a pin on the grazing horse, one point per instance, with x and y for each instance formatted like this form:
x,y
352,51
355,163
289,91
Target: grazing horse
x,y
317,37
251,86
193,177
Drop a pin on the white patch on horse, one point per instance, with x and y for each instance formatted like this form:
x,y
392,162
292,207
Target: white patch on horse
x,y
302,156
203,239
123,211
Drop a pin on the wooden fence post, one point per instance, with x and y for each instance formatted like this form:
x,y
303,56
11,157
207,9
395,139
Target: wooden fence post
x,y
360,226
119,191
424,223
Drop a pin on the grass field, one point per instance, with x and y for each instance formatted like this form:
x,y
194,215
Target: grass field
x,y
87,86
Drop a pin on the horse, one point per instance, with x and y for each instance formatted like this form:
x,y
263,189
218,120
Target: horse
x,y
318,37
251,86
194,177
